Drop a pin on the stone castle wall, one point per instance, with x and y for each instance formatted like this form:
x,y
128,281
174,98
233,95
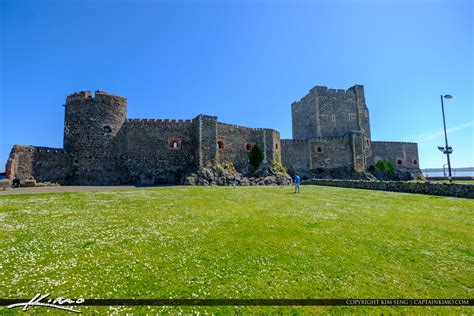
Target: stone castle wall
x,y
156,151
103,146
40,163
323,152
237,141
403,155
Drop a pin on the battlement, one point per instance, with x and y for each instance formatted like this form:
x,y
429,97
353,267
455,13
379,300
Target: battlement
x,y
324,90
290,141
329,137
259,129
40,149
157,121
393,143
234,126
253,129
204,117
330,91
100,95
78,96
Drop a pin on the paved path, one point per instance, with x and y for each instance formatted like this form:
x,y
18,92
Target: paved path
x,y
68,188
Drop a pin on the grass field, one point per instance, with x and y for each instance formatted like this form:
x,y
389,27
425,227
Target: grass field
x,y
249,242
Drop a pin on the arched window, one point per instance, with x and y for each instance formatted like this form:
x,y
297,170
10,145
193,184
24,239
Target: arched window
x,y
415,162
174,143
220,144
276,145
248,146
106,130
399,162
319,149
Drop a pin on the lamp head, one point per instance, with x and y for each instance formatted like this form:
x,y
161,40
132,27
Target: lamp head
x,y
448,96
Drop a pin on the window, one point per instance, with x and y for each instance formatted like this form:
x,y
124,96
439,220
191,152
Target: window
x,y
415,162
220,144
333,118
248,146
174,143
319,149
106,130
276,145
399,162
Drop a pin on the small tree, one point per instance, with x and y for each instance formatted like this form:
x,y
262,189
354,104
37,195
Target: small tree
x,y
255,156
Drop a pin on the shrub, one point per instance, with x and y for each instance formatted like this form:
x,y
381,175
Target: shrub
x,y
229,166
255,156
279,167
385,166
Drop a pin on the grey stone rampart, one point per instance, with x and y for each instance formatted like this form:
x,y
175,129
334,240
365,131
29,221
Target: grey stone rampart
x,y
296,155
442,189
237,142
320,152
405,152
40,163
331,152
155,151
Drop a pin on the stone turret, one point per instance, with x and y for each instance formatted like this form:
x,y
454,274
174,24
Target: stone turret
x,y
91,122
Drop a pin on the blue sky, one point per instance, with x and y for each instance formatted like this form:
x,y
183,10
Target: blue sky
x,y
244,61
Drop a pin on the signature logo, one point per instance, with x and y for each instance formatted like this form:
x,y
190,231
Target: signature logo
x,y
41,300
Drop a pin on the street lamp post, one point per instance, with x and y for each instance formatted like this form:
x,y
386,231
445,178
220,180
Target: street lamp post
x,y
447,149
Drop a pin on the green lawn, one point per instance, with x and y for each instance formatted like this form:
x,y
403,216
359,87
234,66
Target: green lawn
x,y
249,242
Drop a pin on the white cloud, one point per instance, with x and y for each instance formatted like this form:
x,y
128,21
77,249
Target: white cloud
x,y
428,136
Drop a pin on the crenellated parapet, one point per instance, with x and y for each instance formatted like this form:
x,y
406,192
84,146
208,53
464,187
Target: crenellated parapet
x,y
168,122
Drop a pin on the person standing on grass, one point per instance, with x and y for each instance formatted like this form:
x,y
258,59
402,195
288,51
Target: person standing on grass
x,y
297,183
234,180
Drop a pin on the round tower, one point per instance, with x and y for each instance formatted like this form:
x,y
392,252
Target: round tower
x,y
91,123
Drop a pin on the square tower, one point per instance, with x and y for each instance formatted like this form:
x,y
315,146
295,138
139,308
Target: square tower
x,y
327,112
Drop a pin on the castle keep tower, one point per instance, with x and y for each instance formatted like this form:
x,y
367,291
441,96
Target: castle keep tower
x,y
327,112
329,121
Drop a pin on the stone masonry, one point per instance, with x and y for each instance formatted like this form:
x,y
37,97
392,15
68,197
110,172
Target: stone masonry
x,y
331,129
102,145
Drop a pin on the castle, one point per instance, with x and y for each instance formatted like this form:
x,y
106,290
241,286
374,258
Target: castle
x,y
331,129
